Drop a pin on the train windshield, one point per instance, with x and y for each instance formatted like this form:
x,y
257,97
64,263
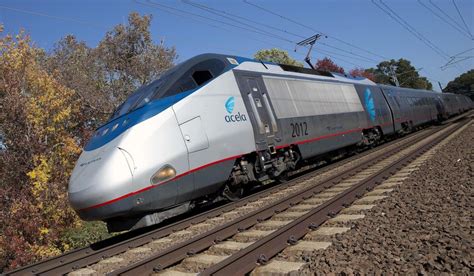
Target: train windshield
x,y
186,76
144,94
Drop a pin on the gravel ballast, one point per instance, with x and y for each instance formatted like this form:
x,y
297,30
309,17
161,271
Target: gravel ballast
x,y
424,227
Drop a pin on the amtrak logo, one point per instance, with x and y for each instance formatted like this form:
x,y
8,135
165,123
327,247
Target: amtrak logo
x,y
229,105
232,118
369,104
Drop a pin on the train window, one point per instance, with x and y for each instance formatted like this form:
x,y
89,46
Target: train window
x,y
201,77
195,76
138,99
183,84
183,77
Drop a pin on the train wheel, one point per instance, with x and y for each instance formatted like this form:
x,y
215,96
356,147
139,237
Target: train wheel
x,y
233,193
283,177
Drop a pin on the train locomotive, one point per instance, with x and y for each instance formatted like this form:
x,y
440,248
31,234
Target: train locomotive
x,y
216,124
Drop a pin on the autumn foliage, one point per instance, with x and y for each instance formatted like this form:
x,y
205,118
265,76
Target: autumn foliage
x,y
50,103
326,64
37,115
360,72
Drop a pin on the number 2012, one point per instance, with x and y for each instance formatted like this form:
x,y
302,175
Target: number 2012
x,y
299,129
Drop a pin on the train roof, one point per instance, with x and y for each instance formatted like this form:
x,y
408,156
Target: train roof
x,y
243,63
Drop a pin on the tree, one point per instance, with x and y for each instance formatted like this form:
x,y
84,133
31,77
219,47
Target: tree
x,y
78,67
407,74
104,76
130,58
463,84
326,64
125,59
276,55
38,120
49,105
360,72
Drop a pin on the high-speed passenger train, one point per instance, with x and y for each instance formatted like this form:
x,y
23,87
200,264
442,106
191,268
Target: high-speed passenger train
x,y
216,124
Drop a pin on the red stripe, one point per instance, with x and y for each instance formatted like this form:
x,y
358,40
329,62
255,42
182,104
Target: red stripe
x,y
211,164
321,137
150,187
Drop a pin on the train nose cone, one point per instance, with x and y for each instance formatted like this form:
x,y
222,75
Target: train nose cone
x,y
99,176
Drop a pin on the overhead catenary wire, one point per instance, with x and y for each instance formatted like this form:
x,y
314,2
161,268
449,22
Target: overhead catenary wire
x,y
194,17
83,22
456,27
312,29
202,6
448,16
463,52
462,18
319,48
229,16
457,58
397,18
220,14
443,54
349,52
180,11
319,31
162,6
454,61
444,13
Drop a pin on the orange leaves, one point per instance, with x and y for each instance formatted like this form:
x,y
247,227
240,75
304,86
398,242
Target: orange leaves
x,y
361,72
36,117
326,64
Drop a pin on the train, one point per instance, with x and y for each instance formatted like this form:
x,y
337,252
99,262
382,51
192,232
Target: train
x,y
215,125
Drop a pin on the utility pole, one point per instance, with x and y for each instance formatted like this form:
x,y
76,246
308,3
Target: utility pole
x,y
393,75
440,87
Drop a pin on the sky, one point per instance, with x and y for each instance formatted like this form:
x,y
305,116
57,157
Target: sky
x,y
359,33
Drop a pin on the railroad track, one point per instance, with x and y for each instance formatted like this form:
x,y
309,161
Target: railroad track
x,y
301,188
256,238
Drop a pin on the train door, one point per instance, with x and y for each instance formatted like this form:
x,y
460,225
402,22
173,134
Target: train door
x,y
259,106
439,108
394,106
196,141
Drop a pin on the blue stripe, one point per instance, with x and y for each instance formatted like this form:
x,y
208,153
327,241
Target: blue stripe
x,y
118,126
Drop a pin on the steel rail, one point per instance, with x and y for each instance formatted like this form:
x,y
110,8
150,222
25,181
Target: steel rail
x,y
245,260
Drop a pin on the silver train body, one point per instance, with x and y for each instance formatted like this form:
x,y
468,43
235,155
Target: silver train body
x,y
217,123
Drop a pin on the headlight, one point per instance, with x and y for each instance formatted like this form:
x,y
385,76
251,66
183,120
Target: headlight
x,y
167,172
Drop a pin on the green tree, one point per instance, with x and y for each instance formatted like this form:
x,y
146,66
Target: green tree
x,y
276,55
130,58
407,75
463,84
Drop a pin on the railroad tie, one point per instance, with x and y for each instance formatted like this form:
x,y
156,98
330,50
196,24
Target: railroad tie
x,y
280,268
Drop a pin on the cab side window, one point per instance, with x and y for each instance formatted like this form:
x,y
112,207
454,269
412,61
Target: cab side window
x,y
201,77
196,76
